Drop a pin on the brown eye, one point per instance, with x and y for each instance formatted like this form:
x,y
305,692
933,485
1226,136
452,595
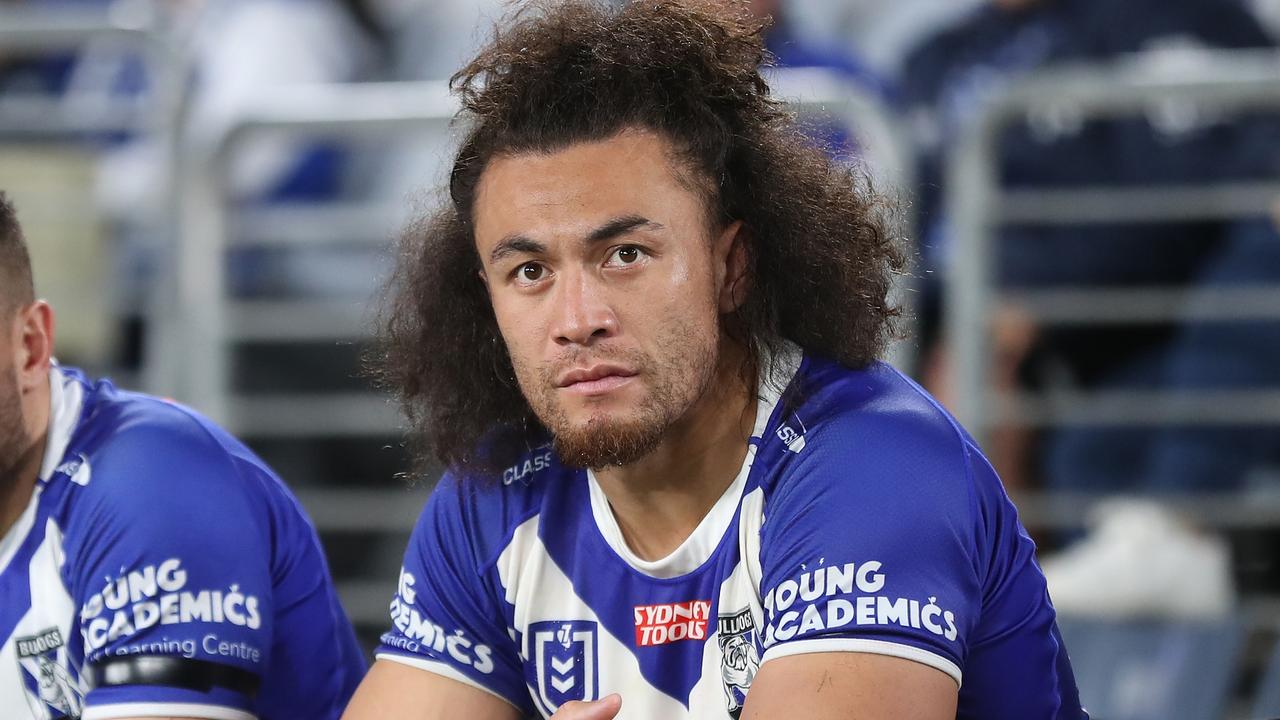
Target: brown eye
x,y
625,255
531,272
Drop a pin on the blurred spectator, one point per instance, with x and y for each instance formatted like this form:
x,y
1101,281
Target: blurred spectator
x,y
430,40
791,47
433,38
242,49
883,31
1268,11
37,74
945,85
951,77
1216,356
1199,356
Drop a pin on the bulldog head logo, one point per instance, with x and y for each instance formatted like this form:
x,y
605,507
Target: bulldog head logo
x,y
740,660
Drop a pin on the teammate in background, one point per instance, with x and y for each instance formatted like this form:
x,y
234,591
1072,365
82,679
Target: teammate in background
x,y
150,564
641,336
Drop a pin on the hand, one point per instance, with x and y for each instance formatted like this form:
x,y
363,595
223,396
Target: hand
x,y
606,708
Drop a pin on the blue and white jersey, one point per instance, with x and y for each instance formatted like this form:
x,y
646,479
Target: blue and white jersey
x,y
863,520
161,569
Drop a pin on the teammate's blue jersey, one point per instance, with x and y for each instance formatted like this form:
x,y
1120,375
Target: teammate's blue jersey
x,y
154,533
863,520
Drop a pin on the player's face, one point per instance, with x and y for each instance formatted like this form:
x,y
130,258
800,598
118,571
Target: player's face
x,y
13,441
606,280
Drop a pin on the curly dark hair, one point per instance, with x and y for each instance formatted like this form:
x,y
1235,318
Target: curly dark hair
x,y
821,254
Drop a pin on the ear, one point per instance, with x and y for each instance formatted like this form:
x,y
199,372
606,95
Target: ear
x,y
731,265
34,344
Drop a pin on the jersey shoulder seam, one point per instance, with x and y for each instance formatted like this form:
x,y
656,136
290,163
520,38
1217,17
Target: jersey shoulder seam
x,y
507,537
966,452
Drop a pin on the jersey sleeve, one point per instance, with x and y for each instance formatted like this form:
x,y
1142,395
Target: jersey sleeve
x,y
448,616
171,570
869,544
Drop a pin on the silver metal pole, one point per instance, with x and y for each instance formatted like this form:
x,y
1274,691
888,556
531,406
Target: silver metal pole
x,y
131,24
203,302
972,185
28,30
1226,81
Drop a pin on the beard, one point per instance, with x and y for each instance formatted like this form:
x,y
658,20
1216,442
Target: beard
x,y
13,428
676,381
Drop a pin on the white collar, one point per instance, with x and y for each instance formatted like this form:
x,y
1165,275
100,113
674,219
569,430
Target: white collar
x,y
66,399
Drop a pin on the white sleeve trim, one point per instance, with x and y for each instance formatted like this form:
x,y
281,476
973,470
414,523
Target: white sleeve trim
x,y
441,669
876,647
164,710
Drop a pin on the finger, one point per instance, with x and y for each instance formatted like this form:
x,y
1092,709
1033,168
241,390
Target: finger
x,y
605,708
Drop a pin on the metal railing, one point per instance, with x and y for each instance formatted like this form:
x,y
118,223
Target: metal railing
x,y
126,25
208,322
977,207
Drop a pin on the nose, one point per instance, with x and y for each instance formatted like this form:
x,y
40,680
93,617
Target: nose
x,y
583,314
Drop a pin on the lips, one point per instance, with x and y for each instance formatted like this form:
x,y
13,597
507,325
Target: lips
x,y
595,379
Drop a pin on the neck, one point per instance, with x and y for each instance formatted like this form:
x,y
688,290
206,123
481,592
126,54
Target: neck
x,y
660,500
17,485
18,482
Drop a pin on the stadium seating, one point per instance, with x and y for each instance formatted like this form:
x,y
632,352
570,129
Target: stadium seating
x,y
1153,670
1267,701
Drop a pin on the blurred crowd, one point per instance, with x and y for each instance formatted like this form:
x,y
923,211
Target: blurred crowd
x,y
933,63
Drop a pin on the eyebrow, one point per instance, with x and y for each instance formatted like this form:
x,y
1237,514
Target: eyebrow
x,y
517,243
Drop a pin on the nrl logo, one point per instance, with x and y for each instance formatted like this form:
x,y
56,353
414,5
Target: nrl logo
x,y
564,651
